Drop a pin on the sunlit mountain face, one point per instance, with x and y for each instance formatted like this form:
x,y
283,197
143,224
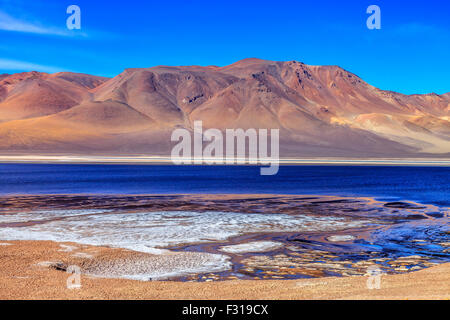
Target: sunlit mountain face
x,y
320,110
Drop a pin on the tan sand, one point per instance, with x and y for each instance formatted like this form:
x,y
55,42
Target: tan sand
x,y
24,274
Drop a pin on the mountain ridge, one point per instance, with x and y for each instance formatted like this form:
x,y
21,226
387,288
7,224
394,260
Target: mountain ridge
x,y
320,110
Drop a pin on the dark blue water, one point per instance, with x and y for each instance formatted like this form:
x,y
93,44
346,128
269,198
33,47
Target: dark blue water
x,y
429,185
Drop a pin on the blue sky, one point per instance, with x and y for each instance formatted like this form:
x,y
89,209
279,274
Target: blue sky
x,y
410,54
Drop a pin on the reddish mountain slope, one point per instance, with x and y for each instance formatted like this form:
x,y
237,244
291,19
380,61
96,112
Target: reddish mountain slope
x,y
320,110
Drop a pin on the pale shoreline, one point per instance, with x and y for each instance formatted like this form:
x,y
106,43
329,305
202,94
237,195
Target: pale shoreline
x,y
36,270
154,160
25,274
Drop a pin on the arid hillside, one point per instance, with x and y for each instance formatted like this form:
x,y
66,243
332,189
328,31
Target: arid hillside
x,y
321,111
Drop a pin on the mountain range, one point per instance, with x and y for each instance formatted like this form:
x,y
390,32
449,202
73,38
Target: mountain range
x,y
321,111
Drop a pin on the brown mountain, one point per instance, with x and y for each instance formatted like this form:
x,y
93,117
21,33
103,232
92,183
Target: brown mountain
x,y
34,94
320,111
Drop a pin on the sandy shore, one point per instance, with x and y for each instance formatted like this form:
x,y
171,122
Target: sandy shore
x,y
141,159
35,270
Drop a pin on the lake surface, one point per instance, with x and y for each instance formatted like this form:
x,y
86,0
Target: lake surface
x,y
337,232
429,185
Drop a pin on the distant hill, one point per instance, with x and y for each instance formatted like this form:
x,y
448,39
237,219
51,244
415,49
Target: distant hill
x,y
321,111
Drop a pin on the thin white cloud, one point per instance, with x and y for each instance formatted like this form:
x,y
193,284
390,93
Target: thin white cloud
x,y
414,29
7,64
10,23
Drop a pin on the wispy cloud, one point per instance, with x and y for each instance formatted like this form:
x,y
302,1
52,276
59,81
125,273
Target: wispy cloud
x,y
10,23
7,64
414,29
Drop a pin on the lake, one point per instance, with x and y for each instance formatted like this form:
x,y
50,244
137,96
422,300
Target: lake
x,y
430,185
